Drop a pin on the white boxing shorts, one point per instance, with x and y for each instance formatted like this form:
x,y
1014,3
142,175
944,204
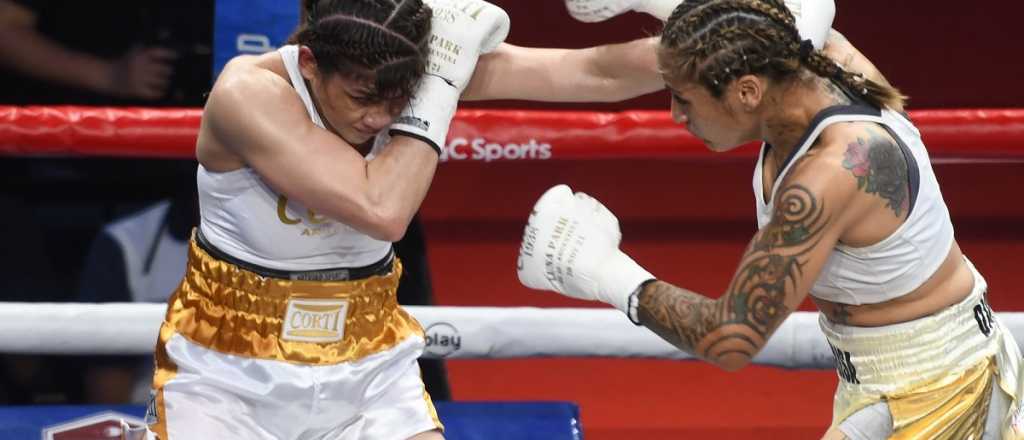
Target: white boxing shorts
x,y
243,356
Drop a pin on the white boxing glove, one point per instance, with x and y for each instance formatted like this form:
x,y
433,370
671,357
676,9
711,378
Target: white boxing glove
x,y
480,17
571,246
813,17
460,31
592,11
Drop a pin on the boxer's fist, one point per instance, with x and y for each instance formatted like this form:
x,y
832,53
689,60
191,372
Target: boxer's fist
x,y
460,31
571,246
813,17
591,11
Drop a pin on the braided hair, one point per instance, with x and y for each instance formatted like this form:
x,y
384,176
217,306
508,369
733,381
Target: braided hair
x,y
383,41
713,42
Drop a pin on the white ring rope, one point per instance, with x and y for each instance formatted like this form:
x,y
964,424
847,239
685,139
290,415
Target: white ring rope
x,y
452,332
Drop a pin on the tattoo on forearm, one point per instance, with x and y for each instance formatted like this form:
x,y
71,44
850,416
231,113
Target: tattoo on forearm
x,y
740,322
678,315
880,168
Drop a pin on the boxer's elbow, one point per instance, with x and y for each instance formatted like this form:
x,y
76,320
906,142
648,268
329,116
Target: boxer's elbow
x,y
733,362
381,214
388,224
393,231
733,351
386,232
360,212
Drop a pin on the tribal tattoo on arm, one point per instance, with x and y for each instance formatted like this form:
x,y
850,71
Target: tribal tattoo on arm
x,y
762,294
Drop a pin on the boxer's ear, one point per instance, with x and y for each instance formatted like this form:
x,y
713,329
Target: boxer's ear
x,y
749,91
307,62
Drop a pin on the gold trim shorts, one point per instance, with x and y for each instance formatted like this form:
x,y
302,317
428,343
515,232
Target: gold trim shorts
x,y
937,374
242,356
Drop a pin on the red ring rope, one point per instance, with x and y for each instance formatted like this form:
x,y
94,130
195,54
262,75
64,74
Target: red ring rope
x,y
996,134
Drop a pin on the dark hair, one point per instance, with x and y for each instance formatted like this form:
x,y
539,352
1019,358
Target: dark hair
x,y
383,41
716,41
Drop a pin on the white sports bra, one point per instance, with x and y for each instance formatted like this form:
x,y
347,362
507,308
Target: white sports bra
x,y
245,218
904,260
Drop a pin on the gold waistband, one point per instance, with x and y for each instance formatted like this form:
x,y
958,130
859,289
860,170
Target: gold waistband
x,y
225,308
881,358
935,372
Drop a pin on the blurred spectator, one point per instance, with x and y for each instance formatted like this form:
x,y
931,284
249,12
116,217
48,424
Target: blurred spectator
x,y
105,53
114,52
137,258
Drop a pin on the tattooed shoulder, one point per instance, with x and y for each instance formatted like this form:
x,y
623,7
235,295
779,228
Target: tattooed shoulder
x,y
880,169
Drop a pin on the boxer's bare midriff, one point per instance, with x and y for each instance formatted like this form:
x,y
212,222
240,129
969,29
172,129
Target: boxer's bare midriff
x,y
950,284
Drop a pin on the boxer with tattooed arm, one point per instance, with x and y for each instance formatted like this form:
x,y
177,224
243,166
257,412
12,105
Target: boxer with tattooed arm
x,y
849,212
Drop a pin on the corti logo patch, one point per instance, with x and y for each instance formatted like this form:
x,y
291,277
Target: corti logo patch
x,y
314,320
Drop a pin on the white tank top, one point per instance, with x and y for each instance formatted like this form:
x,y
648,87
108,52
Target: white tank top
x,y
904,260
242,216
